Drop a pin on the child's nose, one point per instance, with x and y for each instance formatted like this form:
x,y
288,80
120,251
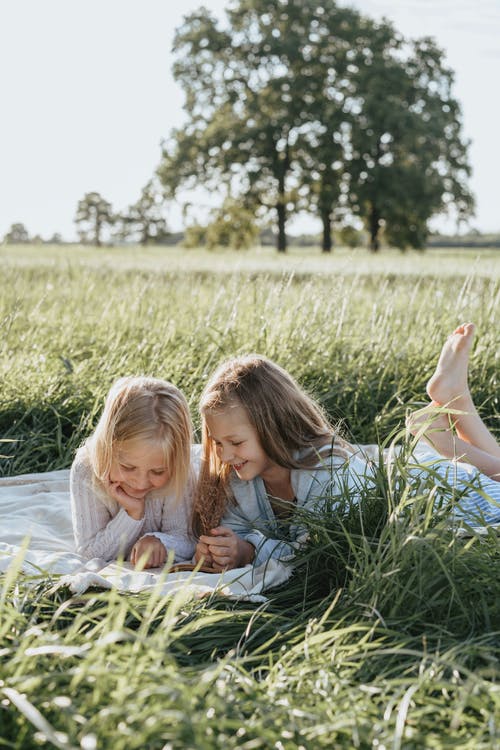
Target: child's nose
x,y
141,482
227,454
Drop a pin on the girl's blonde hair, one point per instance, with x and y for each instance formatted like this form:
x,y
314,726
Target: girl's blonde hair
x,y
287,421
149,410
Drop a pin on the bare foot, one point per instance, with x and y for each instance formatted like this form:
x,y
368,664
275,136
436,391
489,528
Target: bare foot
x,y
449,382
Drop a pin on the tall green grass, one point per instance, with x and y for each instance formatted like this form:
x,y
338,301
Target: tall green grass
x,y
387,635
362,344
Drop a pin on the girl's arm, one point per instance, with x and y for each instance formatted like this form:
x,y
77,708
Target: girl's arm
x,y
263,546
175,534
98,533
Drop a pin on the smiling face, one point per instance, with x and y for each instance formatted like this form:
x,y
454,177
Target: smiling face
x,y
237,443
139,467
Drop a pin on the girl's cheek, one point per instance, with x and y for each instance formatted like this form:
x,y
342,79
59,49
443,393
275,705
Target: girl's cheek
x,y
160,481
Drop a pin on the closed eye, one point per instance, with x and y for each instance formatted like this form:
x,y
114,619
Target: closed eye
x,y
234,443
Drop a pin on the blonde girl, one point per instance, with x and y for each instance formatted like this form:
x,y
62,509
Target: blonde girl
x,y
268,449
132,482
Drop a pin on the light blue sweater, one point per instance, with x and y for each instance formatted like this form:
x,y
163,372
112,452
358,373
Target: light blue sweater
x,y
252,516
253,519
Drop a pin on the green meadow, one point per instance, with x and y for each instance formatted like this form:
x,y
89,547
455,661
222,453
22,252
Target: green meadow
x,y
387,636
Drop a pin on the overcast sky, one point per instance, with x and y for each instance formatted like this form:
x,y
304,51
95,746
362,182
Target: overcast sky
x,y
87,96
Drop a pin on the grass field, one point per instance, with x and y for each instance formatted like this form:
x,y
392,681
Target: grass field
x,y
388,634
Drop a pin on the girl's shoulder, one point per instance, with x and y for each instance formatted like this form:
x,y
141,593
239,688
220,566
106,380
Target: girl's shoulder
x,y
354,464
81,461
81,468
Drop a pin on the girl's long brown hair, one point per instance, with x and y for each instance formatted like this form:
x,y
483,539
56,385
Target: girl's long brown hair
x,y
286,419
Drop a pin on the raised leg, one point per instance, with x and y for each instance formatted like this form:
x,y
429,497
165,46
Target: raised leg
x,y
448,387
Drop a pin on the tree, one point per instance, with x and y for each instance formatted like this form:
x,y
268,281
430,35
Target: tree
x,y
145,220
231,225
408,160
293,104
17,235
247,99
324,141
350,236
93,214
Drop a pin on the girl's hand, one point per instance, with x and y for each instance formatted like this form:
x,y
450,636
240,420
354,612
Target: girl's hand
x,y
202,554
152,549
133,505
227,549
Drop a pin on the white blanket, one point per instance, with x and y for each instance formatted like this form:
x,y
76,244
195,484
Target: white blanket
x,y
35,513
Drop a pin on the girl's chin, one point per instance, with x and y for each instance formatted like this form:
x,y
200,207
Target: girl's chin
x,y
242,470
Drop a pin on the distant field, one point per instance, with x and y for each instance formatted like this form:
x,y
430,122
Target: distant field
x,y
442,261
387,636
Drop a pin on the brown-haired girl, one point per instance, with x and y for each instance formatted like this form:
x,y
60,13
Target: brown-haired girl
x,y
268,450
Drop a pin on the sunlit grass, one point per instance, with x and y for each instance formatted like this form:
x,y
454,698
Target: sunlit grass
x,y
387,635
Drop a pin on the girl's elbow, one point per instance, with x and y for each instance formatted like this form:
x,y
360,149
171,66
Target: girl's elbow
x,y
88,552
85,550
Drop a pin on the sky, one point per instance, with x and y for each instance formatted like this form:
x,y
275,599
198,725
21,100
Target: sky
x,y
87,96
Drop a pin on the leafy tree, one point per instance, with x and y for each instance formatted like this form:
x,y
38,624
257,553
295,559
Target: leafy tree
x,y
292,104
17,235
93,214
350,236
232,225
145,220
408,160
327,64
194,236
245,109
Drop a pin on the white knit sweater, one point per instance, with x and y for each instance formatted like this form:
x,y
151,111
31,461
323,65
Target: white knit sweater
x,y
104,529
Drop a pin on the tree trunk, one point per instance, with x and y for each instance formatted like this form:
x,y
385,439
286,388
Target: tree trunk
x,y
97,230
327,243
374,221
281,242
281,204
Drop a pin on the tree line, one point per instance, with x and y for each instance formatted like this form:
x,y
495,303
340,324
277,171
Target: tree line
x,y
299,105
97,223
295,105
143,222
